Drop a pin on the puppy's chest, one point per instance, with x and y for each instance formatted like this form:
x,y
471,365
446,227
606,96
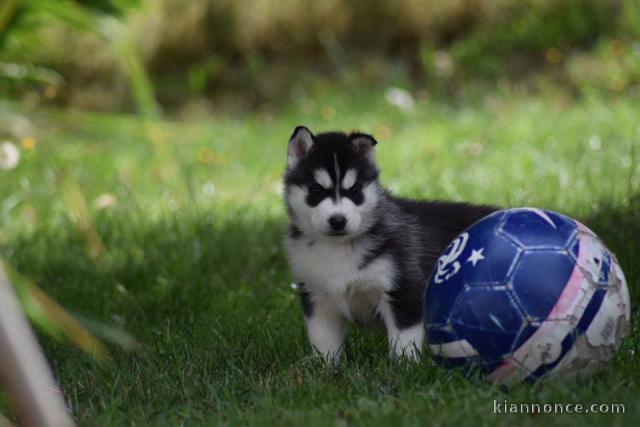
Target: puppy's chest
x,y
338,268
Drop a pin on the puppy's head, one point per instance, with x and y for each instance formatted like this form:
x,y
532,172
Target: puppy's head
x,y
331,183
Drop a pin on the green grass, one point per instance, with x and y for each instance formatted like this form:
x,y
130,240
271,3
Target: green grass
x,y
194,266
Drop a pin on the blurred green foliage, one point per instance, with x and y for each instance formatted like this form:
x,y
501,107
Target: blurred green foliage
x,y
533,30
110,54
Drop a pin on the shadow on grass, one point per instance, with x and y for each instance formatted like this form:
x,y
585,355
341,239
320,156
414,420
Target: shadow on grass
x,y
619,227
162,268
222,266
228,263
208,296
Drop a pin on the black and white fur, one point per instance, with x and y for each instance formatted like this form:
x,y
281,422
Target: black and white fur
x,y
358,254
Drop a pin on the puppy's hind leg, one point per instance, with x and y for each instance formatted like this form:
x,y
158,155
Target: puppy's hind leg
x,y
409,342
404,341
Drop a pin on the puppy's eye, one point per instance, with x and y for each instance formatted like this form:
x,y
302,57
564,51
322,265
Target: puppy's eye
x,y
356,188
316,188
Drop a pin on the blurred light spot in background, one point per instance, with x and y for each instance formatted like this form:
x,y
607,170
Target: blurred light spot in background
x,y
9,155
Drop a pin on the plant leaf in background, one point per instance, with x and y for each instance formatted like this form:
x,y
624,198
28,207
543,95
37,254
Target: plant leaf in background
x,y
4,422
48,315
78,210
7,13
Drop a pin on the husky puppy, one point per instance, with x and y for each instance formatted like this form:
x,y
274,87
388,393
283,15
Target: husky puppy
x,y
357,253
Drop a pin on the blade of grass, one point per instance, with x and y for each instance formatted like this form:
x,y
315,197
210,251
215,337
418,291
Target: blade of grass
x,y
78,210
24,370
7,12
51,317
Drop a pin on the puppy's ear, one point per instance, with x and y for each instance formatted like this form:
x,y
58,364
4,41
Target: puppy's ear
x,y
299,144
363,143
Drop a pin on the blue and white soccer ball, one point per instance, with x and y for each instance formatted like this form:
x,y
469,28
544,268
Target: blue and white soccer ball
x,y
526,294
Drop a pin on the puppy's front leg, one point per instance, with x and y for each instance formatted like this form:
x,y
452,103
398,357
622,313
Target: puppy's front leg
x,y
325,326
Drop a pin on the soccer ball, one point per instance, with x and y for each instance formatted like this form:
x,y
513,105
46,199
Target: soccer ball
x,y
526,294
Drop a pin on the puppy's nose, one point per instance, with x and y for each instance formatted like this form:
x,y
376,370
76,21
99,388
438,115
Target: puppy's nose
x,y
337,222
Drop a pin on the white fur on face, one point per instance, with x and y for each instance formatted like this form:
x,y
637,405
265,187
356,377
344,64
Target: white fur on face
x,y
322,177
314,221
328,208
349,179
296,196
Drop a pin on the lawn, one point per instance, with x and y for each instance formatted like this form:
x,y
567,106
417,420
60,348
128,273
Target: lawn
x,y
189,218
